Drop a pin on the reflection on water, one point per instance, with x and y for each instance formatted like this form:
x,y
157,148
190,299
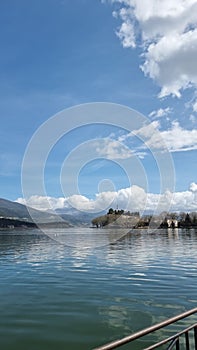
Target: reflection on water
x,y
78,295
85,238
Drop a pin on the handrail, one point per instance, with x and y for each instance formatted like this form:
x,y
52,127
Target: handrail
x,y
117,343
173,337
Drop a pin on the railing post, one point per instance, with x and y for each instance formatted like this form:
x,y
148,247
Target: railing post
x,y
177,344
187,340
172,344
195,337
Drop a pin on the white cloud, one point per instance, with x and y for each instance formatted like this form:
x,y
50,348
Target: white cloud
x,y
112,149
176,139
193,187
133,198
43,203
161,112
80,202
171,62
167,32
147,130
195,106
126,31
144,132
184,201
192,119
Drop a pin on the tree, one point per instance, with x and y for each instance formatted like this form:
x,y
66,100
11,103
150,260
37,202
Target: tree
x,y
188,221
194,220
100,221
110,211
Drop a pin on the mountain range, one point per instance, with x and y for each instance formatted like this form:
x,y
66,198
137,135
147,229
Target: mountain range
x,y
66,216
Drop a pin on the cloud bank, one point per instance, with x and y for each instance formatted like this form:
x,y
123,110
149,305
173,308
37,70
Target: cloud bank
x,y
133,198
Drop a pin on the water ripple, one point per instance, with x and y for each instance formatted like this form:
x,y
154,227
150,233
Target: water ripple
x,y
55,296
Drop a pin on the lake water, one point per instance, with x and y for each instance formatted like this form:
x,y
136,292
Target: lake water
x,y
79,295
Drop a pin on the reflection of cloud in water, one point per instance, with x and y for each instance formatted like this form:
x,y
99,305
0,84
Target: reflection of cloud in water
x,y
138,252
45,252
139,248
45,248
86,238
118,315
142,248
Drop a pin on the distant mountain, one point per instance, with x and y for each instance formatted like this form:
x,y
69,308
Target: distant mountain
x,y
62,217
14,210
11,209
148,212
77,217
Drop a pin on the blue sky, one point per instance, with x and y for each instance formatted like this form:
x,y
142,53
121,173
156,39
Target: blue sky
x,y
57,54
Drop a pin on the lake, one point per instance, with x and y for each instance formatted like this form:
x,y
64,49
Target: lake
x,y
93,287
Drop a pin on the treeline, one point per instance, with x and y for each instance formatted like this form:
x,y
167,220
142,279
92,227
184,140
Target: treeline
x,y
134,220
117,212
9,223
13,223
181,220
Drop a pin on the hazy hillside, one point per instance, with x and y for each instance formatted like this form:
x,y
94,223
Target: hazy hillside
x,y
70,216
9,209
77,217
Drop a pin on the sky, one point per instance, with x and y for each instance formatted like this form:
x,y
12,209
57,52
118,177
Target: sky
x,y
58,54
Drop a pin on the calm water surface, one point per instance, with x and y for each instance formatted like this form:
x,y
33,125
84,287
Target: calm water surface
x,y
78,296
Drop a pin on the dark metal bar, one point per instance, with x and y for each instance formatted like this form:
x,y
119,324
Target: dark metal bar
x,y
117,343
187,340
177,344
172,338
195,337
172,344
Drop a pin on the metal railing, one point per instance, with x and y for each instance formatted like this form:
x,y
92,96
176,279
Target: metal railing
x,y
173,341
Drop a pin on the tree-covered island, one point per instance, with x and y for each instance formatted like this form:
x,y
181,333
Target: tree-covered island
x,y
127,219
